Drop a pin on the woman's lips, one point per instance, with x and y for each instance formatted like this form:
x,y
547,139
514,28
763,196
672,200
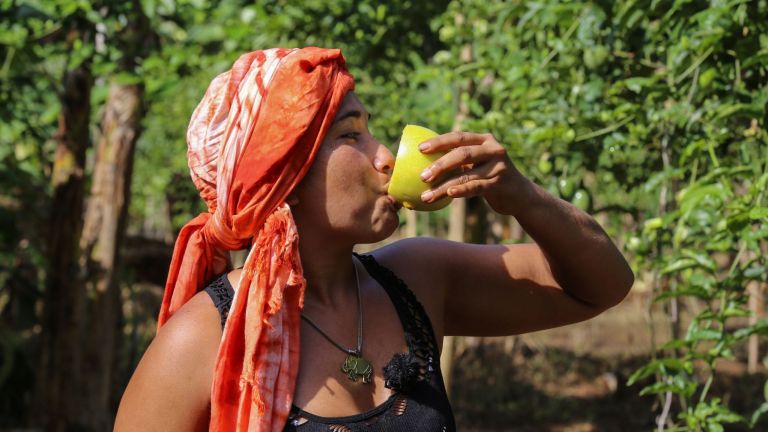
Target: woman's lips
x,y
395,205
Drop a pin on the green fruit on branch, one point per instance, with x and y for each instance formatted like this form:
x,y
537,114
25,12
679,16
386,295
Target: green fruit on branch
x,y
653,224
552,188
566,188
581,199
406,185
545,164
634,244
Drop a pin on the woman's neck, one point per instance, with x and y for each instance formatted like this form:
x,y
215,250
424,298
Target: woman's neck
x,y
328,270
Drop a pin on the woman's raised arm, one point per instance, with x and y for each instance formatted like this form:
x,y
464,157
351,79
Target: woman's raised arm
x,y
572,272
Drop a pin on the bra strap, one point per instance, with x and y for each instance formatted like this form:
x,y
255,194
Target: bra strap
x,y
221,293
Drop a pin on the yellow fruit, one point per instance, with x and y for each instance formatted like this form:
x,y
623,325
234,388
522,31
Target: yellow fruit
x,y
406,185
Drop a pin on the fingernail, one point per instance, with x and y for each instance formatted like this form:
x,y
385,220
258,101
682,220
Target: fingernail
x,y
424,146
426,174
426,196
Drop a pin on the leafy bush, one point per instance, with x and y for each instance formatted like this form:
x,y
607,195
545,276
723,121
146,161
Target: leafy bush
x,y
654,110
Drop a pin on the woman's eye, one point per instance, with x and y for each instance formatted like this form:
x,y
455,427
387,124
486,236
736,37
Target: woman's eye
x,y
351,135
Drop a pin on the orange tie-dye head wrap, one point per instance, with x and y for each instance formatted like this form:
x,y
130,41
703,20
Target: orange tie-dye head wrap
x,y
251,140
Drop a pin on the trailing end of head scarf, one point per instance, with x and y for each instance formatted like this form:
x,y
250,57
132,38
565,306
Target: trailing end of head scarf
x,y
251,140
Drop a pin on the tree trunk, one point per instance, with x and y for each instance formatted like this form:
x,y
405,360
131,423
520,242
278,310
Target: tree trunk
x,y
103,233
756,306
477,221
456,228
62,311
411,223
457,222
516,232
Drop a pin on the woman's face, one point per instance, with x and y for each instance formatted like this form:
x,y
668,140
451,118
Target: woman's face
x,y
345,190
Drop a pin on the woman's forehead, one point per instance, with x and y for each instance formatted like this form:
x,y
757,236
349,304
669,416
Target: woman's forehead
x,y
350,104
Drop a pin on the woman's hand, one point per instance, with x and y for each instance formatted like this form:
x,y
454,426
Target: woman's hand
x,y
475,165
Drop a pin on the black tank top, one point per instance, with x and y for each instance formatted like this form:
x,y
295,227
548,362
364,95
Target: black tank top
x,y
419,401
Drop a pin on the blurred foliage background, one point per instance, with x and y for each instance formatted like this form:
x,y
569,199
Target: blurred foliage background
x,y
649,114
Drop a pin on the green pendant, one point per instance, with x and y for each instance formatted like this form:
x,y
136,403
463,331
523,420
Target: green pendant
x,y
357,367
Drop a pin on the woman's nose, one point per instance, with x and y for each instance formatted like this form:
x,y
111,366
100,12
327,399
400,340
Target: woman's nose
x,y
384,161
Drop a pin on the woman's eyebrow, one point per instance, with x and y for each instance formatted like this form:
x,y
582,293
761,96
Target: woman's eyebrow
x,y
351,113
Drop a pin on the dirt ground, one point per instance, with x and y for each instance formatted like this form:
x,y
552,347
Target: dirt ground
x,y
573,379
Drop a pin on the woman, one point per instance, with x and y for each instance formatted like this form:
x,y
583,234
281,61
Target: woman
x,y
281,152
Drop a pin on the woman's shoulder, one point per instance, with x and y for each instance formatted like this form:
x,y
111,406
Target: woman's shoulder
x,y
419,263
171,384
192,323
419,258
190,339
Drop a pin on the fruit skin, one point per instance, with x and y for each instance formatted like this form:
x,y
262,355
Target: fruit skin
x,y
637,245
566,188
406,185
581,199
545,164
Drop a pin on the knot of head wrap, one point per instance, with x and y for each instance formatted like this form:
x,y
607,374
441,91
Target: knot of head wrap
x,y
251,139
221,235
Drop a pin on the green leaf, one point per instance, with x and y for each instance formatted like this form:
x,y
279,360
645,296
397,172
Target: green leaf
x,y
729,110
680,265
765,391
674,344
662,365
692,291
711,195
653,224
703,260
737,222
759,213
735,311
126,78
706,77
758,413
638,84
676,384
703,334
728,416
756,272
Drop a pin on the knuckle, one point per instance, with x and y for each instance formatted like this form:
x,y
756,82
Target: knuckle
x,y
498,150
464,179
466,154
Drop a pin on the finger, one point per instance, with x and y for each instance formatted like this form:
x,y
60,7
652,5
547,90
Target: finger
x,y
451,140
456,159
459,180
471,189
465,190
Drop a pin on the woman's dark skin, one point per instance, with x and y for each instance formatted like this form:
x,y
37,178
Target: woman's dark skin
x,y
571,273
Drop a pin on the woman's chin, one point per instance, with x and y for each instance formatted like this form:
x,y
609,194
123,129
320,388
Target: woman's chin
x,y
383,226
391,228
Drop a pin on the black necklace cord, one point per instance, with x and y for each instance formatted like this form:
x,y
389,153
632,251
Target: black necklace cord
x,y
349,351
